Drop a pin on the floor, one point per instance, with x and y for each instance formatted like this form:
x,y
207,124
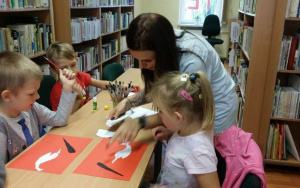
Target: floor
x,y
276,176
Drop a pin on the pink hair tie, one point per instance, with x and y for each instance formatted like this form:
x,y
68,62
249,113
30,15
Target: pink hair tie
x,y
186,95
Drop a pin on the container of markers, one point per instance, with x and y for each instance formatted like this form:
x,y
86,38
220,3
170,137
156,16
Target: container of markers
x,y
118,91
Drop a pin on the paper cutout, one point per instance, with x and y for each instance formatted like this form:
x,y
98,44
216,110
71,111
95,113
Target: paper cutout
x,y
135,113
50,143
47,157
69,147
107,168
106,155
123,153
105,133
111,123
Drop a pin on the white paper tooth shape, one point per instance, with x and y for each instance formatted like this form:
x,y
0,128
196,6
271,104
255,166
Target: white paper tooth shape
x,y
123,153
47,157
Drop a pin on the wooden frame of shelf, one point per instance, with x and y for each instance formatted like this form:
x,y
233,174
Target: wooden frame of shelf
x,y
290,162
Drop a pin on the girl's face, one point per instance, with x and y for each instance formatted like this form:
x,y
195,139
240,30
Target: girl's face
x,y
67,64
146,58
168,120
24,99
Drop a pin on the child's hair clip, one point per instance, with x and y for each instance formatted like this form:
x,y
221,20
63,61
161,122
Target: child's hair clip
x,y
192,77
186,95
184,78
200,96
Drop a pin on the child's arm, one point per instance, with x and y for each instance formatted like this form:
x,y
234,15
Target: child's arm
x,y
99,83
67,99
3,146
78,89
208,180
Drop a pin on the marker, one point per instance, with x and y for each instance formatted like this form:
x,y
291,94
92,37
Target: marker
x,y
52,63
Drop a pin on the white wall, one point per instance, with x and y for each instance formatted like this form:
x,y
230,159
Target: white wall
x,y
170,9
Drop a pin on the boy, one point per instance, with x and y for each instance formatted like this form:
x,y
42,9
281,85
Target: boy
x,y
20,115
63,55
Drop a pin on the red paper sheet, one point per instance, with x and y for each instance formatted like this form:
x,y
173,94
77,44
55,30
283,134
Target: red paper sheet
x,y
51,143
105,155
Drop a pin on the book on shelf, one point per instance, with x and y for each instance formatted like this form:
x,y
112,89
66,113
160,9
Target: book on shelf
x,y
276,142
84,29
293,145
21,4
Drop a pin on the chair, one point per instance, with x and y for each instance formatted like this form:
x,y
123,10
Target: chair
x,y
44,91
211,28
112,71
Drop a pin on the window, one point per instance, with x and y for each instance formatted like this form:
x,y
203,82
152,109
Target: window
x,y
193,12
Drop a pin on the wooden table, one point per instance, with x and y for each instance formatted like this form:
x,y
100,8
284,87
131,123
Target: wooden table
x,y
85,123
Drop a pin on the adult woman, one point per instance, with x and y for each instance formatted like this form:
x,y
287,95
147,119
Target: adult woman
x,y
159,49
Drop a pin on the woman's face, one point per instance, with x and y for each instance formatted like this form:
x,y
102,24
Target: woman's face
x,y
146,58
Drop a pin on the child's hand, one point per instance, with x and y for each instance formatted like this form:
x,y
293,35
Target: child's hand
x,y
68,79
161,133
78,89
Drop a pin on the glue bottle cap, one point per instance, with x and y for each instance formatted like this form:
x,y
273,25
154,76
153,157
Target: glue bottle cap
x,y
95,99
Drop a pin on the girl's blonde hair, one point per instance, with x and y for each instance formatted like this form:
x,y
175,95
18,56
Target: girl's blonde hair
x,y
166,92
16,70
60,50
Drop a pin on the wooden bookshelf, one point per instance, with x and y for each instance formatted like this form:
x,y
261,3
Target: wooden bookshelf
x,y
45,15
63,13
269,26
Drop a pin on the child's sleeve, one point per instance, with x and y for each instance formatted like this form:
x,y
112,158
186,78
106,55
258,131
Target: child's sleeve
x,y
2,173
85,78
61,116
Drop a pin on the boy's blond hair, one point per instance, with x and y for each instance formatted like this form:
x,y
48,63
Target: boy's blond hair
x,y
16,70
166,93
60,50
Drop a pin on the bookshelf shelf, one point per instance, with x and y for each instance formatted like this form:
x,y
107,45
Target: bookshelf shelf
x,y
84,7
290,162
289,71
292,19
285,119
25,10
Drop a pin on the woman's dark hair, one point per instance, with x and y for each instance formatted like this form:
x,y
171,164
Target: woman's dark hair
x,y
150,31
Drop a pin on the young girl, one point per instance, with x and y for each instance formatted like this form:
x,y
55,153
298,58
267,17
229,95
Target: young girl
x,y
186,106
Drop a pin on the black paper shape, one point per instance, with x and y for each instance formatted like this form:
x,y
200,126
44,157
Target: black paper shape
x,y
107,168
69,147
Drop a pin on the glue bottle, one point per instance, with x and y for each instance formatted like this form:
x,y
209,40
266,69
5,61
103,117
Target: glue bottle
x,y
94,104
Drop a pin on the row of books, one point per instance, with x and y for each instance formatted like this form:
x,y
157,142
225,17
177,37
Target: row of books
x,y
84,29
20,4
286,102
84,3
289,53
248,6
96,3
109,22
110,49
126,2
292,9
27,39
109,2
245,37
126,61
126,19
88,57
280,141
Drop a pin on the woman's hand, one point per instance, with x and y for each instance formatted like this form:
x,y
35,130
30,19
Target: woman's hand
x,y
126,132
161,133
121,108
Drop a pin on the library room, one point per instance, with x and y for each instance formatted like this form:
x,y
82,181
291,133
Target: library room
x,y
142,94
